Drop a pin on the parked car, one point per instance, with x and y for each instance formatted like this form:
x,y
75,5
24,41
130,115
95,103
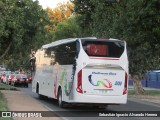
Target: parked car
x,y
4,78
29,77
20,79
10,78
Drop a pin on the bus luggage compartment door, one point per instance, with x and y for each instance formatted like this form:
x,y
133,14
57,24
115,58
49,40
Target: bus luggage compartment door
x,y
105,82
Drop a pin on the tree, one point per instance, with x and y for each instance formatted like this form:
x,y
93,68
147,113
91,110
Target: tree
x,y
137,22
68,29
22,29
59,14
83,10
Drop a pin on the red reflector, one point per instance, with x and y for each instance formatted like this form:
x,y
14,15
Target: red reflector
x,y
125,84
79,82
79,90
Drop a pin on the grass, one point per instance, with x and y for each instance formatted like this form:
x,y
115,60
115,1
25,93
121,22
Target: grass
x,y
3,102
3,107
147,92
6,87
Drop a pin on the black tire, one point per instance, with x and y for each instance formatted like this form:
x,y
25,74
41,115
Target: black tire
x,y
101,107
26,85
41,97
60,102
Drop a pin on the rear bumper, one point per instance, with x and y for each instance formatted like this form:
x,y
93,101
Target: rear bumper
x,y
81,98
21,82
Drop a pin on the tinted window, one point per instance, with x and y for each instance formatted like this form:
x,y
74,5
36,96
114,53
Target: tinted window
x,y
63,54
103,48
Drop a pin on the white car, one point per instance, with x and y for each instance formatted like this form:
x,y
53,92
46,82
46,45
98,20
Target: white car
x,y
4,80
10,78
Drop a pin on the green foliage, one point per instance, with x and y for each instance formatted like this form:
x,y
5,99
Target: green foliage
x,y
7,87
68,29
4,107
147,92
137,22
22,23
84,10
3,103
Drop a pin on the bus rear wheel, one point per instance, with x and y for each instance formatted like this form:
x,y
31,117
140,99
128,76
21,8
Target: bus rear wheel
x,y
60,102
102,107
41,97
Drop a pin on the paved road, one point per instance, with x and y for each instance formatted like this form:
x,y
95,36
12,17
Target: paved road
x,y
132,105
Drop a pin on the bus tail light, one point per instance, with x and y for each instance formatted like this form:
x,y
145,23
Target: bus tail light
x,y
79,82
125,84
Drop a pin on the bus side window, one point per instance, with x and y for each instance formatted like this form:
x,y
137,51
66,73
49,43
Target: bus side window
x,y
57,54
71,52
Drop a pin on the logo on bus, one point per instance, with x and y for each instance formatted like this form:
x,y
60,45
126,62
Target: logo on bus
x,y
118,83
99,82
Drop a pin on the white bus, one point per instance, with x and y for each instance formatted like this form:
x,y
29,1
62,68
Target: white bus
x,y
82,70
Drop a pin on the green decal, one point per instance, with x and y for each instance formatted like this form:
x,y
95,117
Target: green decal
x,y
63,81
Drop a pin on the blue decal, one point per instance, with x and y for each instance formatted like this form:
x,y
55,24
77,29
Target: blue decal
x,y
118,83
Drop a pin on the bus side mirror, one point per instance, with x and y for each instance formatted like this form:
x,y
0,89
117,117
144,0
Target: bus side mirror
x,y
32,63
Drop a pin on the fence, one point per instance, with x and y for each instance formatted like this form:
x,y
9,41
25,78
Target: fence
x,y
152,79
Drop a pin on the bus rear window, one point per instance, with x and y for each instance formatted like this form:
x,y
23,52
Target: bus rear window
x,y
93,49
103,48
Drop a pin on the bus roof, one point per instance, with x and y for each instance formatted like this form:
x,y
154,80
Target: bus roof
x,y
58,42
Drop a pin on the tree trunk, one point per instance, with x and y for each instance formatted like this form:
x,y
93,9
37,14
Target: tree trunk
x,y
6,51
137,84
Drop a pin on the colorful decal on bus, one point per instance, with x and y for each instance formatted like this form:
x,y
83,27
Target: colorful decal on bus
x,y
63,79
100,82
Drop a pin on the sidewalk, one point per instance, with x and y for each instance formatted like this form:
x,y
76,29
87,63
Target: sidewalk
x,y
155,99
19,101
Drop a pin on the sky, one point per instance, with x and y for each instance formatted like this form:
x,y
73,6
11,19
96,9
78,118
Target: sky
x,y
50,3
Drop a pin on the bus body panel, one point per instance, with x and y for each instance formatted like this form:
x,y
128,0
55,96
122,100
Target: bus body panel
x,y
81,98
66,80
103,82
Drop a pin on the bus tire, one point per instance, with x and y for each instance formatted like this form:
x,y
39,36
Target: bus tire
x,y
102,107
41,97
60,102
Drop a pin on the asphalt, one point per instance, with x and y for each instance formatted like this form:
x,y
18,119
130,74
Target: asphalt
x,y
20,101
